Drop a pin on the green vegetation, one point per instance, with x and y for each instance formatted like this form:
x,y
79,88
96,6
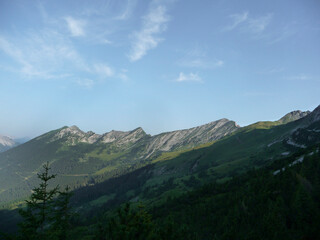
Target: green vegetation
x,y
256,205
47,213
248,182
260,204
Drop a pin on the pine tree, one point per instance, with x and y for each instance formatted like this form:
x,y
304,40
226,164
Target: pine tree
x,y
62,214
129,224
47,213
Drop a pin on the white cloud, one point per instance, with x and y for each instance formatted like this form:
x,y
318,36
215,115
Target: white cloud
x,y
237,19
50,55
123,77
196,58
155,22
300,77
47,55
191,77
200,63
254,25
103,70
258,25
127,11
86,83
10,50
30,57
271,70
75,26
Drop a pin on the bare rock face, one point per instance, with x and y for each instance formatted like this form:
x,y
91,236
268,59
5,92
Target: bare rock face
x,y
190,137
6,143
74,135
123,138
315,115
293,116
163,142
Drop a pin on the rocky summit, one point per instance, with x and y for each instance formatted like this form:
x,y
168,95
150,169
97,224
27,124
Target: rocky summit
x,y
6,143
293,116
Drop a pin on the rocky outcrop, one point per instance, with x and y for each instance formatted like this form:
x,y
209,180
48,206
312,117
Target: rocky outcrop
x,y
163,142
293,116
73,135
314,115
121,138
6,143
190,137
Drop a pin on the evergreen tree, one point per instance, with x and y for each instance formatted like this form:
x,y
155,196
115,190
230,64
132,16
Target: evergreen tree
x,y
129,224
47,214
62,214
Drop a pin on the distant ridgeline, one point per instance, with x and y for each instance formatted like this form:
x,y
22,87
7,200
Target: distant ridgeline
x,y
220,149
110,169
82,159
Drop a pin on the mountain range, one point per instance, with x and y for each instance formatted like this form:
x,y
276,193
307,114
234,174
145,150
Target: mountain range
x,y
85,158
197,167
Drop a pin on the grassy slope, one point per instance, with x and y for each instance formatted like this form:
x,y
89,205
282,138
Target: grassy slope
x,y
172,174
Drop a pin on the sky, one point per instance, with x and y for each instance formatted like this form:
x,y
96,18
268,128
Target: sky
x,y
161,65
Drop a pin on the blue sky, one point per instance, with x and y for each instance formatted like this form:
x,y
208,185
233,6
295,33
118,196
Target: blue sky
x,y
162,65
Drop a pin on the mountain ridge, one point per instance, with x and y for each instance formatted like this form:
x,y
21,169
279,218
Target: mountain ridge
x,y
79,157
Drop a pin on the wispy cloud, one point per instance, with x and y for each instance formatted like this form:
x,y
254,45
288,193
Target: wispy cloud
x,y
191,77
259,24
28,57
254,25
104,70
123,75
237,19
271,71
76,27
50,55
127,10
200,63
85,83
256,94
300,77
197,58
284,33
154,23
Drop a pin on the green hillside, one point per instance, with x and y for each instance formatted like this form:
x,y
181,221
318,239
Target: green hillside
x,y
82,159
105,175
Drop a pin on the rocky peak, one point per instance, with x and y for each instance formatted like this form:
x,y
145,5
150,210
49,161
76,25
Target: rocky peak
x,y
70,131
293,116
123,137
73,135
315,115
6,143
113,136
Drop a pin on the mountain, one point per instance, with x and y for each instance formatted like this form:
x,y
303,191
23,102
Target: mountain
x,y
80,158
22,140
159,143
7,143
293,116
220,148
173,173
106,170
